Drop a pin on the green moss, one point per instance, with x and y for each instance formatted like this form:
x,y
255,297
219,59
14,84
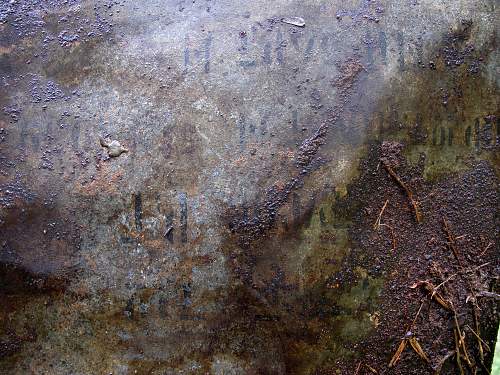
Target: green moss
x,y
338,314
446,118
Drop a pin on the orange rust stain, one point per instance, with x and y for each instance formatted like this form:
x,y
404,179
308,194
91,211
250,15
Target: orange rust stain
x,y
202,260
104,183
240,161
280,185
156,243
5,50
192,190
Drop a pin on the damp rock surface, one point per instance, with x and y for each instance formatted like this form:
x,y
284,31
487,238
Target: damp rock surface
x,y
318,196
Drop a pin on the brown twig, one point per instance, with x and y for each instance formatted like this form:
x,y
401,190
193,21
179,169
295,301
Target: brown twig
x,y
467,271
439,299
475,307
376,225
445,281
416,316
409,193
397,355
404,341
434,294
486,248
371,369
457,352
357,368
485,293
478,337
461,340
418,349
479,340
451,241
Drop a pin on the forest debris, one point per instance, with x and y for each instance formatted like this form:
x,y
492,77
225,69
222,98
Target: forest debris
x,y
445,281
486,248
461,336
479,340
409,193
467,271
478,337
371,369
397,355
434,294
418,349
416,316
439,365
439,299
357,368
485,293
451,240
457,353
402,345
461,341
376,226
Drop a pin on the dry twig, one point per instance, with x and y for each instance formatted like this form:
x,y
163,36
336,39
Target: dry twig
x,y
486,248
475,334
371,369
457,352
434,294
479,340
397,355
357,368
451,240
409,193
418,349
376,225
485,293
404,341
461,340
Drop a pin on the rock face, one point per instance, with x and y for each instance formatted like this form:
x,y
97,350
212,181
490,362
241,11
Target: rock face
x,y
313,198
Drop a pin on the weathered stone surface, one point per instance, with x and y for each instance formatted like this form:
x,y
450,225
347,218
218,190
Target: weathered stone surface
x,y
238,234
